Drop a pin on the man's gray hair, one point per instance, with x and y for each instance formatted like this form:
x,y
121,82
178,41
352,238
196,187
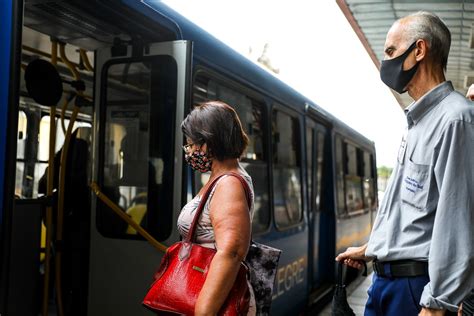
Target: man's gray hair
x,y
428,26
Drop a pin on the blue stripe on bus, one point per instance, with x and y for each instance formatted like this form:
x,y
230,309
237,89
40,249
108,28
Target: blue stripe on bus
x,y
6,11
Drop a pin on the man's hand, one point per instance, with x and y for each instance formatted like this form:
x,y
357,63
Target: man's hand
x,y
354,257
431,312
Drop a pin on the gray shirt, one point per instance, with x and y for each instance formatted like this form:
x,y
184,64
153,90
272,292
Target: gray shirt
x,y
427,212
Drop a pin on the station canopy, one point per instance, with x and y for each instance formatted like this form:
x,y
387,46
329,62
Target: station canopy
x,y
371,20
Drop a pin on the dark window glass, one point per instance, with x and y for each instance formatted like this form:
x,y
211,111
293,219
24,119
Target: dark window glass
x,y
353,185
137,146
251,114
369,182
309,164
340,162
315,161
21,140
319,170
286,170
20,153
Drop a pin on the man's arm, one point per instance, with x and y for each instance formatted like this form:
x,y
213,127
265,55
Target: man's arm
x,y
451,256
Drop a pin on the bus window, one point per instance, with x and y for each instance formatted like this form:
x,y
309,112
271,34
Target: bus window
x,y
353,185
339,152
369,182
319,169
137,150
309,166
286,170
43,147
315,160
20,153
22,125
251,114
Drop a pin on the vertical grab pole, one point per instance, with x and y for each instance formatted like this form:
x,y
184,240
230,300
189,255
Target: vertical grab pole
x,y
62,177
50,186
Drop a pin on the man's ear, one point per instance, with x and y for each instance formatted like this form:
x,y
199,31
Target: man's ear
x,y
421,49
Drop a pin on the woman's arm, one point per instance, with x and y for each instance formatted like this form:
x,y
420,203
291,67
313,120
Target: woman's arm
x,y
230,220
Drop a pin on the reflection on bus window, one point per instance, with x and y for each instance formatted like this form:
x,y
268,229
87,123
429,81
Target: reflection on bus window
x,y
354,198
319,169
355,182
369,182
126,151
136,149
20,153
254,160
286,170
309,166
21,141
341,203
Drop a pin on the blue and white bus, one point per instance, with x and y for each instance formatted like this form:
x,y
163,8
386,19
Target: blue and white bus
x,y
130,71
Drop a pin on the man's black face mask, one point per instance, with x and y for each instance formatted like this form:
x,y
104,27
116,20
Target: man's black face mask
x,y
392,73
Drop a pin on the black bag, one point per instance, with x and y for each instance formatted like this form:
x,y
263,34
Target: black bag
x,y
262,261
339,305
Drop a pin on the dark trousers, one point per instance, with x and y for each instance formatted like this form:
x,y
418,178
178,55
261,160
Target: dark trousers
x,y
395,296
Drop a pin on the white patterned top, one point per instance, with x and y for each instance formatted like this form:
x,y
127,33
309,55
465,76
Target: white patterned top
x,y
204,231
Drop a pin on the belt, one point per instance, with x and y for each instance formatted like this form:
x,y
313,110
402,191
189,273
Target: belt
x,y
400,268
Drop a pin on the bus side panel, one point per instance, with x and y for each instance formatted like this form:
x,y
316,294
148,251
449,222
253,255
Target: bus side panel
x,y
290,288
11,19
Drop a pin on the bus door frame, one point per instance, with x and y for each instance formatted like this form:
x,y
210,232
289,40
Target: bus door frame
x,y
315,255
11,22
110,297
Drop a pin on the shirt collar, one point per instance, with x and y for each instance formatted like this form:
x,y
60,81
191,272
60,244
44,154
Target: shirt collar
x,y
427,102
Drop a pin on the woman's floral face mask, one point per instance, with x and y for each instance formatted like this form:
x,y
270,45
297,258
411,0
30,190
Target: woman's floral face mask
x,y
199,160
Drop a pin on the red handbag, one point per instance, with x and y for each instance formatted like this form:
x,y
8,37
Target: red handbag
x,y
184,268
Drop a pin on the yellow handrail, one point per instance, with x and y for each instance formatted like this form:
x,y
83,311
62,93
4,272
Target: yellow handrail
x,y
121,213
85,60
74,73
44,54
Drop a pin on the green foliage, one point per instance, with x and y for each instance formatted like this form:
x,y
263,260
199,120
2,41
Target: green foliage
x,y
384,172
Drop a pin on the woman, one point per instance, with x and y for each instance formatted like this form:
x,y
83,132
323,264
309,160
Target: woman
x,y
215,141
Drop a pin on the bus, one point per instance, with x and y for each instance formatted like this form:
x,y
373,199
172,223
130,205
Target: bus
x,y
94,92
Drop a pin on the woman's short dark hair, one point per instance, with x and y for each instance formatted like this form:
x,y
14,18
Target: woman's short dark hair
x,y
218,125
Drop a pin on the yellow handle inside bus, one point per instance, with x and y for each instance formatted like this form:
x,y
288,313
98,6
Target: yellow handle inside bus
x,y
123,215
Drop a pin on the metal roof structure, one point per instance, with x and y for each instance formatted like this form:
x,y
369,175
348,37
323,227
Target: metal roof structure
x,y
371,20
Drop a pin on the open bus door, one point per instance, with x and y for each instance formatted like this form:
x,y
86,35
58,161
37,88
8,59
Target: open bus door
x,y
139,105
11,15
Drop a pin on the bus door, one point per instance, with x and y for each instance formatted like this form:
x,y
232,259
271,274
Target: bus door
x,y
317,182
11,13
140,100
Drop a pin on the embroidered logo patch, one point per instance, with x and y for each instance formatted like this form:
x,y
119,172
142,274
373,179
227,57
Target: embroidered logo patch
x,y
413,185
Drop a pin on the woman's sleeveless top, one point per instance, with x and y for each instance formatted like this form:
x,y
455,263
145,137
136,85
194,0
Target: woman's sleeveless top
x,y
204,230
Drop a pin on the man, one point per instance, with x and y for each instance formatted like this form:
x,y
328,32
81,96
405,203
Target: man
x,y
422,242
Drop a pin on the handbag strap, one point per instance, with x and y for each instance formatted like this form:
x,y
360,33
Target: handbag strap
x,y
205,196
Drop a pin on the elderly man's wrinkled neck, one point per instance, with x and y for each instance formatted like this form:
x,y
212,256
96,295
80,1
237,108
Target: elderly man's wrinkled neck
x,y
426,78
